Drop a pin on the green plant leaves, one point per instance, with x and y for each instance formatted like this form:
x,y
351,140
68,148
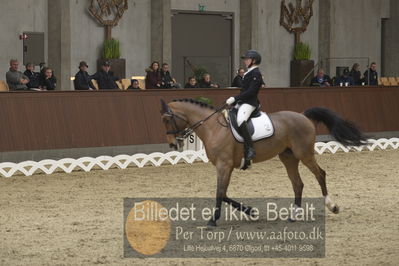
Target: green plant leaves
x,y
111,49
199,72
302,51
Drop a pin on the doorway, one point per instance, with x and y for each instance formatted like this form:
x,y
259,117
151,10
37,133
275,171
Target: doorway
x,y
33,47
202,40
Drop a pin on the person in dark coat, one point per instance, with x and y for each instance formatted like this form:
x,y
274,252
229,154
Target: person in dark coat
x,y
34,77
191,83
237,82
105,78
247,101
321,79
135,85
83,79
47,80
167,81
153,77
371,75
345,79
356,74
206,82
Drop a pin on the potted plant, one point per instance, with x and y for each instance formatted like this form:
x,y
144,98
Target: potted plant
x,y
301,65
111,53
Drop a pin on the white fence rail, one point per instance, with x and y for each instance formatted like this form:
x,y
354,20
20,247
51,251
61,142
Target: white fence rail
x,y
88,164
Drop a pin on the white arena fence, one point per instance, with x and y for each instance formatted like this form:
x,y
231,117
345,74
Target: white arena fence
x,y
194,153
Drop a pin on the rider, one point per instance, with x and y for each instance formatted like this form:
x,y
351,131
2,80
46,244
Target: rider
x,y
247,101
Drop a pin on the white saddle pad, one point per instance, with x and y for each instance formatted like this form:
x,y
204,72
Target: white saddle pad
x,y
263,128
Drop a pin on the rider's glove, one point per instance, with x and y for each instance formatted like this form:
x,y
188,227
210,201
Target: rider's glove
x,y
231,101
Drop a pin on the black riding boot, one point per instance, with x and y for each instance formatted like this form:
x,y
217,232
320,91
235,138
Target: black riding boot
x,y
248,146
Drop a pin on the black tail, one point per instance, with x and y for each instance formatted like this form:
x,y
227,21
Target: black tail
x,y
345,132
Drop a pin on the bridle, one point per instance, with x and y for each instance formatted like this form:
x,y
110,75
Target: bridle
x,y
182,134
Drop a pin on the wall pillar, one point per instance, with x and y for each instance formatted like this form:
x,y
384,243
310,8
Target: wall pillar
x,y
161,31
248,25
59,42
391,39
324,33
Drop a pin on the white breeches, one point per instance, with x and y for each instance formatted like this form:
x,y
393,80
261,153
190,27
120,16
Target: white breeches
x,y
244,112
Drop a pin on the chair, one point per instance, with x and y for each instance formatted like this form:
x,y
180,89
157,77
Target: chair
x,y
126,83
142,84
119,85
141,80
95,83
4,86
385,81
393,81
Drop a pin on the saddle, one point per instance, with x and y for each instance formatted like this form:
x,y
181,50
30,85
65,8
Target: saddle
x,y
259,124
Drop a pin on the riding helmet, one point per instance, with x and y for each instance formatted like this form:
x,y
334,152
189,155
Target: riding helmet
x,y
253,55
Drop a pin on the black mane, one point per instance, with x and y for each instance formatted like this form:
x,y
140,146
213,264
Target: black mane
x,y
202,104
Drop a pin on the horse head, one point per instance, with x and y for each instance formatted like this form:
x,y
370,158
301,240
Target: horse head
x,y
175,126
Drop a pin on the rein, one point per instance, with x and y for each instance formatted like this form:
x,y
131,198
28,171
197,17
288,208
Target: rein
x,y
183,134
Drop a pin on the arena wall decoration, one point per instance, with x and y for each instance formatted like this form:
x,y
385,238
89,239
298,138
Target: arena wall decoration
x,y
88,164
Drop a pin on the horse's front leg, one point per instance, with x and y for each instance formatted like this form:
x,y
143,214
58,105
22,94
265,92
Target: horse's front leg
x,y
236,205
223,179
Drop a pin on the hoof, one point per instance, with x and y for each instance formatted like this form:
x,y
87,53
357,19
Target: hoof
x,y
211,223
335,209
291,220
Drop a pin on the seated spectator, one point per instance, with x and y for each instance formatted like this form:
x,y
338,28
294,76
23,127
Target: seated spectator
x,y
371,75
15,79
34,77
321,80
135,85
82,78
206,82
167,82
153,77
345,79
356,74
105,78
47,80
237,82
191,83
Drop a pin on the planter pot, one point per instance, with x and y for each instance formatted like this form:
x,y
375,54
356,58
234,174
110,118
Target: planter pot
x,y
118,66
299,70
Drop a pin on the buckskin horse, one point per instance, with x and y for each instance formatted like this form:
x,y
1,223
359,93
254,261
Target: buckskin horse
x,y
293,141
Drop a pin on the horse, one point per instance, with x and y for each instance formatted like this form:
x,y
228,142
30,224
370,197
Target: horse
x,y
293,141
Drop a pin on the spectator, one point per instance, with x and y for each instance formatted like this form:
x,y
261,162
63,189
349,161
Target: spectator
x,y
34,78
321,80
153,77
105,78
206,82
135,85
356,74
15,79
47,80
237,82
191,83
371,75
345,79
82,78
167,82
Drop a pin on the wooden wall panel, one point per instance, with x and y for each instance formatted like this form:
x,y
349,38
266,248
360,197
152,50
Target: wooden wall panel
x,y
75,119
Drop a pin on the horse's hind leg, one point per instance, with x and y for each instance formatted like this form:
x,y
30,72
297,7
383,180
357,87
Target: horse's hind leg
x,y
291,164
320,174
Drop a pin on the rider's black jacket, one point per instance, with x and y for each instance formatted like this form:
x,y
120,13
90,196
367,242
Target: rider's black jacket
x,y
251,84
